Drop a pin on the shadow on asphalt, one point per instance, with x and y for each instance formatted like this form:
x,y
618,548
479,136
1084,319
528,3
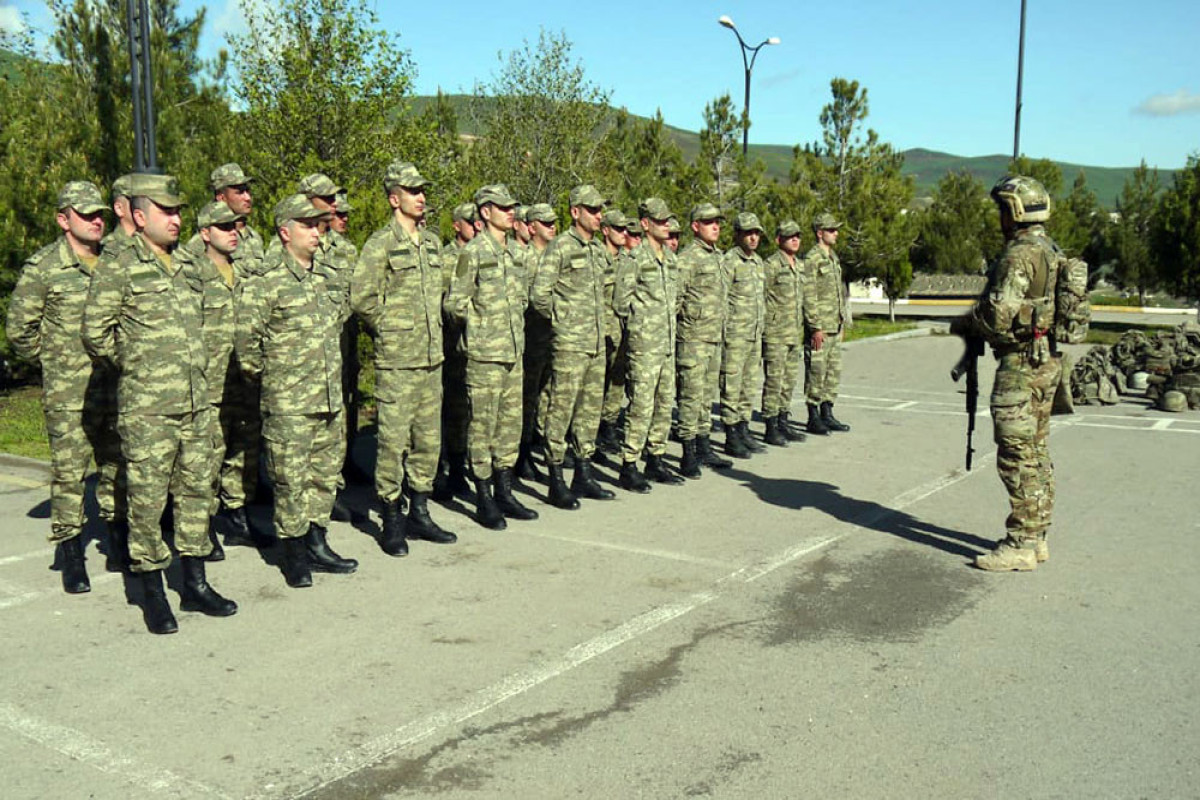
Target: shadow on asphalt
x,y
826,498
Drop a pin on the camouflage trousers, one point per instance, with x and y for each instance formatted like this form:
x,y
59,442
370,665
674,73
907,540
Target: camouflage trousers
x,y
1021,399
576,395
410,434
781,368
455,409
615,379
304,461
535,394
168,454
739,371
76,438
351,365
697,365
823,370
651,398
236,448
494,433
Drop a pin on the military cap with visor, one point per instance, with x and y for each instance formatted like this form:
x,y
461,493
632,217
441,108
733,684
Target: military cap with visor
x,y
705,212
587,195
228,175
541,212
463,212
496,194
633,229
403,174
746,222
297,206
787,229
122,186
825,222
341,204
83,196
614,218
318,185
163,190
673,228
654,208
216,213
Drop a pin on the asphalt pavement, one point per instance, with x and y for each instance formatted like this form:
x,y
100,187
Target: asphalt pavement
x,y
804,625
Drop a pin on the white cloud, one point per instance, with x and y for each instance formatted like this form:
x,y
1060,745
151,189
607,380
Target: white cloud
x,y
1170,105
11,20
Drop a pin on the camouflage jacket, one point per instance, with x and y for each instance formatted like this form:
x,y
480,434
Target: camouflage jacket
x,y
824,300
113,243
143,314
702,294
219,303
488,296
249,252
647,300
569,291
288,334
1019,296
397,289
45,312
612,320
783,280
744,276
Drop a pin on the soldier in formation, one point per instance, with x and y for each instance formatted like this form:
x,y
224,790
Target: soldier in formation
x,y
824,321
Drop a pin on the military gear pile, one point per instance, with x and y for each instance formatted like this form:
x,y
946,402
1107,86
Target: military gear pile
x,y
1170,358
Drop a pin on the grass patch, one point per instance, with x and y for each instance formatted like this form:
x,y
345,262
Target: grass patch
x,y
22,426
1132,301
1109,332
867,327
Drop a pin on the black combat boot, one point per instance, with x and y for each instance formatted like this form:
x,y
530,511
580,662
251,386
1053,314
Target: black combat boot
x,y
197,595
155,608
458,474
560,496
235,524
631,479
297,570
830,420
73,566
526,469
344,513
421,525
510,506
659,472
791,432
689,465
607,439
709,458
218,552
487,513
734,444
816,425
393,540
117,557
749,439
584,483
321,556
774,435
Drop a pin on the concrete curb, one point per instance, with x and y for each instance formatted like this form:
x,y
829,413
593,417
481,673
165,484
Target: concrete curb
x,y
922,330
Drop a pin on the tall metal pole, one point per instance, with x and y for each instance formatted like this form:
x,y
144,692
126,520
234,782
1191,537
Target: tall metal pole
x,y
748,65
1020,80
141,84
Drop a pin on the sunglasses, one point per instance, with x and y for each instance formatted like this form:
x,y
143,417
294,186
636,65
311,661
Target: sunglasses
x,y
225,226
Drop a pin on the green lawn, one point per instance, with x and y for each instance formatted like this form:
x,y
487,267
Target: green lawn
x,y
1109,332
22,426
866,327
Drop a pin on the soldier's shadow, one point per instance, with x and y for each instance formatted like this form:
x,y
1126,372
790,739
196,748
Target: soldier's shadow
x,y
828,499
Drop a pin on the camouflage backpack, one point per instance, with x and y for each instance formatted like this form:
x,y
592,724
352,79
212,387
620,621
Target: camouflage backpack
x,y
1128,355
1072,309
1093,380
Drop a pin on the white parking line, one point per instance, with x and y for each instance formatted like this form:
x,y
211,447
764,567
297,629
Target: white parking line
x,y
639,551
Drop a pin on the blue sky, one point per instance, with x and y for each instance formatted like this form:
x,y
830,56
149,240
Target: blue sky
x,y
1107,83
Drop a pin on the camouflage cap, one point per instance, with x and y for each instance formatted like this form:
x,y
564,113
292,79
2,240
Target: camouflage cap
x,y
404,174
495,193
673,228
227,175
83,196
317,185
464,212
162,189
654,208
746,222
787,228
633,229
541,212
614,218
704,212
122,186
586,195
297,206
341,204
215,213
520,213
825,222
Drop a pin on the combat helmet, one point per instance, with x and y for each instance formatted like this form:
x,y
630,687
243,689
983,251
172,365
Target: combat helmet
x,y
1173,400
1024,197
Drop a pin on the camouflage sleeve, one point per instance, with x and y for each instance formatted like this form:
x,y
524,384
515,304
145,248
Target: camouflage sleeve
x,y
253,311
683,279
462,286
106,295
808,304
26,305
996,311
624,284
366,284
542,295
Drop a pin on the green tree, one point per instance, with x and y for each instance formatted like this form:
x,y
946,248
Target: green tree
x,y
1136,207
543,123
958,233
720,159
644,160
1176,232
1080,226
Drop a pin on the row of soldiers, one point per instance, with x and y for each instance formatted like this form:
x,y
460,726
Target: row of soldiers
x,y
173,364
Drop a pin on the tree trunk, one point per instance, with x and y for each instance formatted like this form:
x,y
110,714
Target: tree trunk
x,y
891,309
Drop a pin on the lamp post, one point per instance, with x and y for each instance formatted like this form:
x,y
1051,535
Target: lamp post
x,y
748,63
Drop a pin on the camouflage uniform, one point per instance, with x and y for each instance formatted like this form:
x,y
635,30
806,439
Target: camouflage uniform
x,y
288,331
456,413
143,314
397,289
647,302
824,305
616,350
702,298
538,338
569,292
488,295
743,330
44,315
783,332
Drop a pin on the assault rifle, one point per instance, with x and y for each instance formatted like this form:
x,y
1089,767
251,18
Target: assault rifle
x,y
969,365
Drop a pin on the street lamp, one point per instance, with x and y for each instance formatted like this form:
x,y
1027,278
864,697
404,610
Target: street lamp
x,y
748,63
